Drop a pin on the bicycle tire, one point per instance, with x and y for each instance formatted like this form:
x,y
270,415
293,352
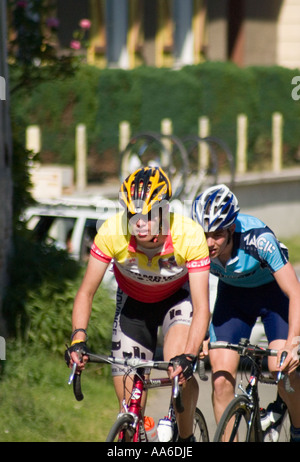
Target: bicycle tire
x,y
122,424
200,428
239,408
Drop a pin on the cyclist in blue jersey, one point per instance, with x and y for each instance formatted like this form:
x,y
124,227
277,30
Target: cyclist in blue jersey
x,y
255,279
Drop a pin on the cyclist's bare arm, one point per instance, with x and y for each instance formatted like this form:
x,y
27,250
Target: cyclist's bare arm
x,y
83,303
200,299
289,284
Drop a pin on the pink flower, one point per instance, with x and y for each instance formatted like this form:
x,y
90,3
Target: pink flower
x,y
22,4
85,24
75,45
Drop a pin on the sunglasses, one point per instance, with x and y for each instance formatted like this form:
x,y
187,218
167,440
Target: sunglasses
x,y
137,216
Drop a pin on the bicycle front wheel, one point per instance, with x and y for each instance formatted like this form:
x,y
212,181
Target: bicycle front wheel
x,y
200,427
234,424
122,430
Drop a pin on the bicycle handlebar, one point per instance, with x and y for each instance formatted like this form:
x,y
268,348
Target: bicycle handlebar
x,y
77,387
243,348
134,363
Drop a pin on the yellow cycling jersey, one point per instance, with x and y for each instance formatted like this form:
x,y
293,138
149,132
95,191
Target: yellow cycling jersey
x,y
152,279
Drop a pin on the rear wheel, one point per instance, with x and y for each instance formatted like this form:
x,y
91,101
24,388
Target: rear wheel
x,y
122,430
200,427
200,430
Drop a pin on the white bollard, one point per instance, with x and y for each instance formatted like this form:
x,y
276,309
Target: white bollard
x,y
81,152
33,139
203,152
277,126
166,129
124,135
242,143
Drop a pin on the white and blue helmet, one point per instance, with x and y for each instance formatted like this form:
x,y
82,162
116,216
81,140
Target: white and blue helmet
x,y
216,208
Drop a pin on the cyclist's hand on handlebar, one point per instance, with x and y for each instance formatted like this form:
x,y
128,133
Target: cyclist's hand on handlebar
x,y
76,354
183,365
289,361
204,349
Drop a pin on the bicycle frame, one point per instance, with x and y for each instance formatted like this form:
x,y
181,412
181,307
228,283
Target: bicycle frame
x,y
134,407
129,426
137,371
254,431
249,400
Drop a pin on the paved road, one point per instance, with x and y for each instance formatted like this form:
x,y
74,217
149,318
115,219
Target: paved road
x,y
158,400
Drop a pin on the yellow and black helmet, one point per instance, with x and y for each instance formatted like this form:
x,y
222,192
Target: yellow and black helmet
x,y
144,189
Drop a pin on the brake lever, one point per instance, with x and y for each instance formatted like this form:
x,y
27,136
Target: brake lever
x,y
71,377
282,359
176,387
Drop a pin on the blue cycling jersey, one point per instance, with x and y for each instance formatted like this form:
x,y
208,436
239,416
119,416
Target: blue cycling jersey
x,y
256,255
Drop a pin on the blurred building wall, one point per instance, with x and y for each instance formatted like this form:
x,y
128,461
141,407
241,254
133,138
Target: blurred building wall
x,y
173,33
288,34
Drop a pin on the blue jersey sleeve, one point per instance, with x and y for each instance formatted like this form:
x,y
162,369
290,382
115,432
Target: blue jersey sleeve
x,y
257,255
271,252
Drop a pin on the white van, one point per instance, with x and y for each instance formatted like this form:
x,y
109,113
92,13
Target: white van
x,y
71,224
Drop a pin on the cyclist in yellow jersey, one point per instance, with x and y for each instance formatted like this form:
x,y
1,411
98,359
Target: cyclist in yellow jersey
x,y
161,264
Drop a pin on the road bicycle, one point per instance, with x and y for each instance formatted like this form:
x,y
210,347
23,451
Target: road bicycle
x,y
129,425
241,420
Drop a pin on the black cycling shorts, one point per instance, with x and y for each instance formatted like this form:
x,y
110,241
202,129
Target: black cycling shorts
x,y
237,309
136,323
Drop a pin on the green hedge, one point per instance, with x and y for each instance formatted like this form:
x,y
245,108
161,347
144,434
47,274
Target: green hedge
x,y
39,300
144,96
273,88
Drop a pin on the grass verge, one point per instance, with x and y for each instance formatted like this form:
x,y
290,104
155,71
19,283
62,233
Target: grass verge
x,y
293,244
38,405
